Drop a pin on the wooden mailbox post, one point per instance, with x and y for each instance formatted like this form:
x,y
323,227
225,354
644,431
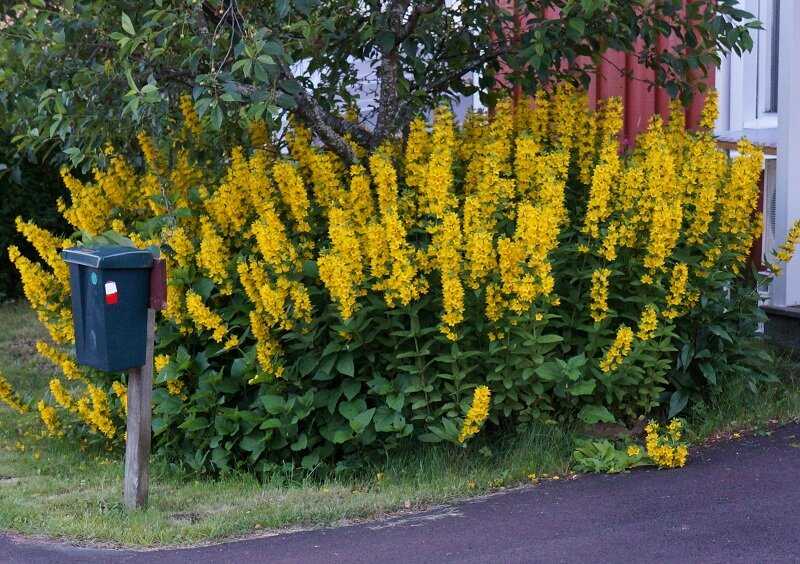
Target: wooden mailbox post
x,y
140,392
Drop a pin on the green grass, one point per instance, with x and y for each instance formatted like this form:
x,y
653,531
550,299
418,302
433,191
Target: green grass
x,y
55,489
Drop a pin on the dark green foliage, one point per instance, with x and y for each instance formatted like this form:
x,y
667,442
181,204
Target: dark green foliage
x,y
31,193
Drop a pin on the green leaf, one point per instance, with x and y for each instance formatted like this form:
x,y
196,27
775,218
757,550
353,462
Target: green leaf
x,y
127,24
709,373
592,414
342,435
273,404
360,422
549,372
385,40
351,409
306,364
351,388
549,338
252,442
677,402
344,364
300,444
582,388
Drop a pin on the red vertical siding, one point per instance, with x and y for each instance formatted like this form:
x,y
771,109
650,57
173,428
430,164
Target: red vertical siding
x,y
620,75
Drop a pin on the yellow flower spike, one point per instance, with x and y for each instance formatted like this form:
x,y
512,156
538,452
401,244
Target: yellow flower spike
x,y
9,398
648,323
619,349
677,290
61,359
341,268
49,418
160,361
204,318
599,294
293,193
191,121
62,396
122,393
477,414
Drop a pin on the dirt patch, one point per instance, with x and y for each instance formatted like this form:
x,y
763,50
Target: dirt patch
x,y
191,517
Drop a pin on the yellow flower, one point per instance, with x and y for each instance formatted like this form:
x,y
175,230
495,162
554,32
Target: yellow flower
x,y
175,387
61,359
648,322
677,290
477,414
436,191
634,450
605,175
49,418
341,268
93,408
259,134
62,396
620,348
787,249
599,293
204,318
160,361
293,193
8,397
191,121
214,254
447,244
122,393
183,246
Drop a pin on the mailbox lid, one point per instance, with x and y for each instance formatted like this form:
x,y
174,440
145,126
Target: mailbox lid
x,y
108,257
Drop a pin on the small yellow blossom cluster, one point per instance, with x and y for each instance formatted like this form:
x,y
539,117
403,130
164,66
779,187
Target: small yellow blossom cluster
x,y
648,323
47,295
599,293
477,414
122,393
49,418
160,362
204,318
191,121
175,387
8,397
786,251
61,359
619,349
666,450
61,395
677,290
94,409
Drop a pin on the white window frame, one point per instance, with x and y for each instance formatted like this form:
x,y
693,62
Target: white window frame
x,y
745,82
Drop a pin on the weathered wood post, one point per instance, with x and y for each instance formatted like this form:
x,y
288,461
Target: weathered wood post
x,y
140,392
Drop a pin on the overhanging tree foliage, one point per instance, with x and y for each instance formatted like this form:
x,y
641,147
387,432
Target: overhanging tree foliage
x,y
77,74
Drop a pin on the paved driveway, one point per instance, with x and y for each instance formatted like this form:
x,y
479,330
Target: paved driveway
x,y
735,502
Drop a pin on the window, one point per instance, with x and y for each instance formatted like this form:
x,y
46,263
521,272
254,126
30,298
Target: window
x,y
766,47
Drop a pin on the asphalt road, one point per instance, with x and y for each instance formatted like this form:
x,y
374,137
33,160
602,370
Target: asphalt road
x,y
735,502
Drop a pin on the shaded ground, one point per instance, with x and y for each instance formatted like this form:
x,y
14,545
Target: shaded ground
x,y
736,502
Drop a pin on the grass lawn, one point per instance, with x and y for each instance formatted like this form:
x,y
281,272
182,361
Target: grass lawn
x,y
52,488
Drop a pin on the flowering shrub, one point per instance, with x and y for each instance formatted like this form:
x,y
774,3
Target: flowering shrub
x,y
665,450
516,268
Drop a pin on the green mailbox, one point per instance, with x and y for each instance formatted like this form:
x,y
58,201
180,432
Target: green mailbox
x,y
110,288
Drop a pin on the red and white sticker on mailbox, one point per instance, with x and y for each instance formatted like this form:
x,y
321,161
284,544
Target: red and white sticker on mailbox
x,y
111,293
